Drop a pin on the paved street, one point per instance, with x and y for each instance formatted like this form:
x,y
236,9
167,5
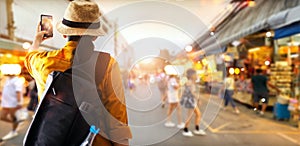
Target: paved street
x,y
223,127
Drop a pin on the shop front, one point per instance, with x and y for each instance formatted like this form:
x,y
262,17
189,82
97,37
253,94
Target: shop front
x,y
257,57
285,71
279,59
267,39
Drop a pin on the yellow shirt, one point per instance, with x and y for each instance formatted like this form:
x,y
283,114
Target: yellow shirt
x,y
41,63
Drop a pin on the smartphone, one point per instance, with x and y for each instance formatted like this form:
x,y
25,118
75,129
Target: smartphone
x,y
47,25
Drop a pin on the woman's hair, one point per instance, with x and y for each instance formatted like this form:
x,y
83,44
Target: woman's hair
x,y
190,72
172,76
74,38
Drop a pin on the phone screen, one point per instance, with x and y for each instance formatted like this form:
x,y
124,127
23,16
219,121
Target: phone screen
x,y
47,25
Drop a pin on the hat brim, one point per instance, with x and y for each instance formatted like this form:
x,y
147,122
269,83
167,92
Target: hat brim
x,y
69,31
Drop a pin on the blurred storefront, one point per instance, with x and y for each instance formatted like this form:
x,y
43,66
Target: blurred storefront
x,y
279,59
265,36
12,53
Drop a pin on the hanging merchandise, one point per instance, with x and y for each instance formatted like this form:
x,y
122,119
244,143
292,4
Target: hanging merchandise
x,y
281,76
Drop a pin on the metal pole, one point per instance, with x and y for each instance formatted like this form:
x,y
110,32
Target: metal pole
x,y
275,51
10,20
115,38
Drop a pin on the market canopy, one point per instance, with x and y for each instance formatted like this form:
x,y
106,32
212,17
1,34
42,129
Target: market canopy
x,y
267,14
12,47
287,30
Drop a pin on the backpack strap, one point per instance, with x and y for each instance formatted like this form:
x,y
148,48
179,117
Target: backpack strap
x,y
101,66
100,70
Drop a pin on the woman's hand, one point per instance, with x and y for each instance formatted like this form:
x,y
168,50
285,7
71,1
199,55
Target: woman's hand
x,y
38,39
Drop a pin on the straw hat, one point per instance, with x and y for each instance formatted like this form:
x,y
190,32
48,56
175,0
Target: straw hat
x,y
82,17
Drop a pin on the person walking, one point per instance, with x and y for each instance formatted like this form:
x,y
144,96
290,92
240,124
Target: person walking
x,y
12,98
33,94
163,86
260,90
229,91
190,100
173,100
81,26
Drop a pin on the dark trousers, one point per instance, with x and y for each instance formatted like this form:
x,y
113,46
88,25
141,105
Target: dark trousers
x,y
228,98
33,103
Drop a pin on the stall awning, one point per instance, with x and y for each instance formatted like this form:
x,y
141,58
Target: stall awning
x,y
284,18
10,45
287,30
266,14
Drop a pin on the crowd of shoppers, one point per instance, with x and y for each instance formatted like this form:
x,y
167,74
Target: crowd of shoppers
x,y
257,85
169,88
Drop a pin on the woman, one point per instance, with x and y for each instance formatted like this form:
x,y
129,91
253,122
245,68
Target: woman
x,y
81,26
12,99
33,94
173,99
189,100
229,90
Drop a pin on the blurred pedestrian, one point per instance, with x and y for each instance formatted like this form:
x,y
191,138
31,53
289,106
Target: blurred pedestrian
x,y
81,26
12,98
260,90
229,91
162,85
190,101
33,94
131,84
173,100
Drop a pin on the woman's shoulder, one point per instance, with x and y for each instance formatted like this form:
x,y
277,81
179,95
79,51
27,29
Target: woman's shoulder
x,y
189,83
